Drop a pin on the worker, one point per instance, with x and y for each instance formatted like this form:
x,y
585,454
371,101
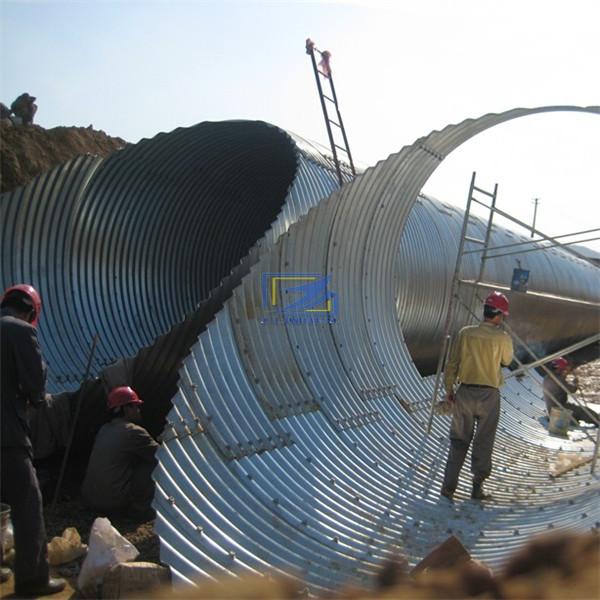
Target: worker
x,y
23,382
556,387
475,362
119,473
5,113
24,108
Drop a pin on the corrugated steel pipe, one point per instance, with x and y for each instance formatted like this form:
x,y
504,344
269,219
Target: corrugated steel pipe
x,y
131,246
155,369
299,448
302,447
562,308
135,241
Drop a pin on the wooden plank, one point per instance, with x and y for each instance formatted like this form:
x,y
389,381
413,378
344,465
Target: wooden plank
x,y
567,464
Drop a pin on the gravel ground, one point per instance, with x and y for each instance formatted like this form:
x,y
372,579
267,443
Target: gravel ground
x,y
589,381
72,513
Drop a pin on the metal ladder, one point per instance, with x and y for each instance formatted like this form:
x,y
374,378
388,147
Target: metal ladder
x,y
456,278
327,100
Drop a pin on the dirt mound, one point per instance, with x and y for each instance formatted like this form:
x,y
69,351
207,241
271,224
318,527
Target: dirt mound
x,y
25,152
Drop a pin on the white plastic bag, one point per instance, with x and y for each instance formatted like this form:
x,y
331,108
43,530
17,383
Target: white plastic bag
x,y
107,548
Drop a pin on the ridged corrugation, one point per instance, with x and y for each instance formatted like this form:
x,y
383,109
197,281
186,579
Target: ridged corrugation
x,y
358,477
129,245
155,367
424,270
300,448
40,237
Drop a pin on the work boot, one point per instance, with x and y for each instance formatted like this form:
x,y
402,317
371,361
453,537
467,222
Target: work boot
x,y
448,494
31,590
478,493
5,574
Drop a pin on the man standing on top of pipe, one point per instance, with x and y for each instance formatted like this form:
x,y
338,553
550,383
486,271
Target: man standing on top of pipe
x,y
475,362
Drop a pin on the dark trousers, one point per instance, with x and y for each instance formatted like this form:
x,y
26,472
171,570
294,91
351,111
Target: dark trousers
x,y
20,489
136,498
142,487
475,418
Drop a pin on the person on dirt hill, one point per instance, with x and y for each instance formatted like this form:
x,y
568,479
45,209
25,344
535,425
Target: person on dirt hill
x,y
119,472
5,112
23,383
24,108
475,362
555,392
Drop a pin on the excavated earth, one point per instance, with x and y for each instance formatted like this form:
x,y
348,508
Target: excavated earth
x,y
28,151
25,153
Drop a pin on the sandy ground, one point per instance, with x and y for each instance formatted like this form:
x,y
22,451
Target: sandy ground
x,y
71,513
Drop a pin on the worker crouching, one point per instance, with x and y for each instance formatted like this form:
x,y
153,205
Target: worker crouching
x,y
557,388
119,474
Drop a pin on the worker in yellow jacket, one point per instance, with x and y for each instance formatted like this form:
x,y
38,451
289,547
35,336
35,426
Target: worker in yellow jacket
x,y
475,362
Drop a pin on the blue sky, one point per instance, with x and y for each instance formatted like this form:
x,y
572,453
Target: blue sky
x,y
402,69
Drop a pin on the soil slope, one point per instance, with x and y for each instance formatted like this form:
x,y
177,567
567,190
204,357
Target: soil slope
x,y
25,152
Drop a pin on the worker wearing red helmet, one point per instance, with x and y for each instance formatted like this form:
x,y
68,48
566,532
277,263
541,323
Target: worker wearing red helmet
x,y
23,385
119,472
556,390
475,364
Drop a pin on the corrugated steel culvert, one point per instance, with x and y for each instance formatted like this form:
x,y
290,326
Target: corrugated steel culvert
x,y
296,447
302,447
131,246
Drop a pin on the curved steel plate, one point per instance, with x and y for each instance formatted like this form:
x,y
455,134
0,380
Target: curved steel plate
x,y
349,490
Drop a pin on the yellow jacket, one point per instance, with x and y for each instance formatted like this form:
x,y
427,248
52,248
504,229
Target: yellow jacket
x,y
476,356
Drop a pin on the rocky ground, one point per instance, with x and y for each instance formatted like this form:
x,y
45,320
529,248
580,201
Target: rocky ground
x,y
72,513
589,381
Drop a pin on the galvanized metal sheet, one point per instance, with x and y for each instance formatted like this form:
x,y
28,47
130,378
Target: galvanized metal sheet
x,y
156,233
301,446
374,488
423,273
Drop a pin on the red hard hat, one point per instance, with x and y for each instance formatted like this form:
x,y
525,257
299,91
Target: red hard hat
x,y
498,301
121,396
23,289
560,363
